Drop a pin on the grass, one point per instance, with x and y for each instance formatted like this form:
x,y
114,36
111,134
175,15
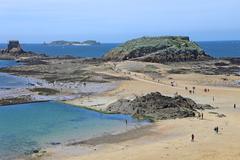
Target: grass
x,y
157,42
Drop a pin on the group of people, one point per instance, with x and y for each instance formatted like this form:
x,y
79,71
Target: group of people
x,y
192,91
206,90
194,88
173,83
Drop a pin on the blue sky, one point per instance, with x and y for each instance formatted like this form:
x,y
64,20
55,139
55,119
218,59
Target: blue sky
x,y
118,20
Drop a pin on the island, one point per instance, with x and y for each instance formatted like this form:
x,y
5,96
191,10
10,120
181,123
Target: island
x,y
73,43
158,50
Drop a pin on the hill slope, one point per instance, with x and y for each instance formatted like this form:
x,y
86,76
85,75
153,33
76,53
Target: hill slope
x,y
159,50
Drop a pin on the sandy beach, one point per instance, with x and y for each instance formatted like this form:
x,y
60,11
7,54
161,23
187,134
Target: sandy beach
x,y
119,80
165,139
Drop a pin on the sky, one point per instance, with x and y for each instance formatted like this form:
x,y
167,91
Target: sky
x,y
33,21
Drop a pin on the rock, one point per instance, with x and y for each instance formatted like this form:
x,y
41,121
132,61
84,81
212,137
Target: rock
x,y
158,50
218,114
14,47
14,51
156,107
205,106
16,100
55,143
221,115
35,151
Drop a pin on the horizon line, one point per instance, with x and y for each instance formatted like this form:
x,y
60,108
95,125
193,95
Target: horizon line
x,y
115,42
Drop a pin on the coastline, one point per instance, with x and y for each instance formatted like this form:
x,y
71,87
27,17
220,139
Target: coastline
x,y
170,134
90,145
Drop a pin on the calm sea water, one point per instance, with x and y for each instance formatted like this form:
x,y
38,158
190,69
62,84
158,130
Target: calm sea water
x,y
7,63
222,48
216,49
29,126
78,51
10,81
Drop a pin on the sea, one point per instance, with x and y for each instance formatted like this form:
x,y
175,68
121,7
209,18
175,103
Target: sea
x,y
214,48
221,48
76,51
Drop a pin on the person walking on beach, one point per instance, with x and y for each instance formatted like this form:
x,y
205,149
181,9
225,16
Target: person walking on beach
x,y
193,88
193,137
202,115
234,106
199,115
126,122
216,129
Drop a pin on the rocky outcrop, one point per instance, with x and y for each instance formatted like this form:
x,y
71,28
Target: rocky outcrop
x,y
14,51
156,107
16,100
14,48
158,50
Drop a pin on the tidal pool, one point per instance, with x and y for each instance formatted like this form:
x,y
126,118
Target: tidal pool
x,y
24,127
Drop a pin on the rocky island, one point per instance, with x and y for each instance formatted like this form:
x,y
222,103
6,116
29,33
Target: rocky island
x,y
14,51
158,50
73,43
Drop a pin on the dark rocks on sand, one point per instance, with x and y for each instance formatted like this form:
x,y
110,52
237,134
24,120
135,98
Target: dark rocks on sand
x,y
205,106
155,106
55,143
